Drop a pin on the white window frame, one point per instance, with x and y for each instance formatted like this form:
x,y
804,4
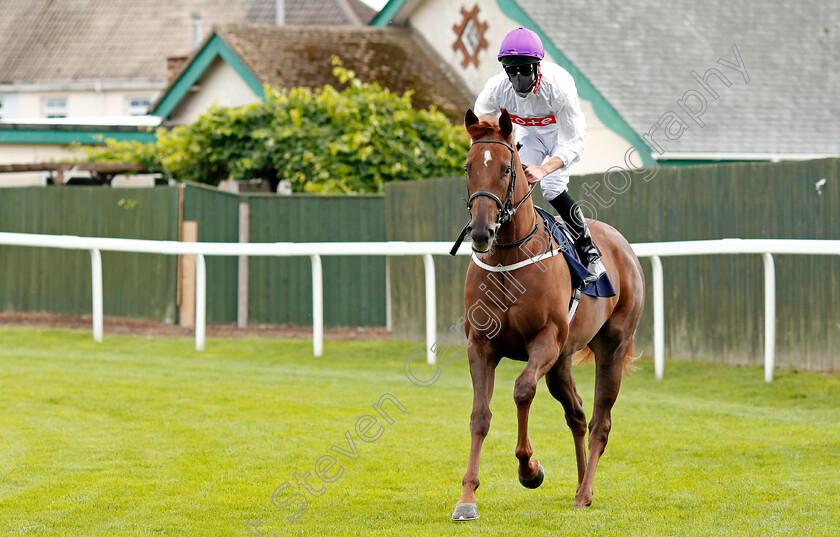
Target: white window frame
x,y
52,107
133,109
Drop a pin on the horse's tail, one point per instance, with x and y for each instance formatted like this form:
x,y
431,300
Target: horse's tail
x,y
629,358
585,355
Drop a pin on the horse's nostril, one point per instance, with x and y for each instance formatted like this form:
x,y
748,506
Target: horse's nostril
x,y
491,231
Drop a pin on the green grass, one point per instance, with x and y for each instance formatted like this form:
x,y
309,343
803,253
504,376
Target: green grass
x,y
139,436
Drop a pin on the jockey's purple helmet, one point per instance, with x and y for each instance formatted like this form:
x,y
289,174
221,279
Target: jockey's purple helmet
x,y
521,46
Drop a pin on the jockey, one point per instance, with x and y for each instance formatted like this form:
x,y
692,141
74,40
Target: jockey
x,y
542,100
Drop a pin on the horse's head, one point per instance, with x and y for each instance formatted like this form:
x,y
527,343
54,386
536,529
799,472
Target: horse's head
x,y
491,170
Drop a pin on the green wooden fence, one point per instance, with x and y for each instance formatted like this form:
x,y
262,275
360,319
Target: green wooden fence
x,y
217,215
714,304
280,290
45,279
354,287
145,285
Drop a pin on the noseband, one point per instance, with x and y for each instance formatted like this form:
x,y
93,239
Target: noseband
x,y
506,208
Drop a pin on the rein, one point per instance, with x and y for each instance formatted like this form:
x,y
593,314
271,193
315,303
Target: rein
x,y
506,208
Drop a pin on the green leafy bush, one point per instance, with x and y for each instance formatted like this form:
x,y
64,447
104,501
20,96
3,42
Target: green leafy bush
x,y
322,141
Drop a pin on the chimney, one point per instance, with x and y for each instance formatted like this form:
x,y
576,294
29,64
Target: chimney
x,y
197,30
174,66
280,12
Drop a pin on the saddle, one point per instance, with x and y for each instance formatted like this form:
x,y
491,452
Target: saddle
x,y
560,234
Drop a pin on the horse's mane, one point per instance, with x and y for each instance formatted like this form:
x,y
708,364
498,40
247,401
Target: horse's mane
x,y
483,129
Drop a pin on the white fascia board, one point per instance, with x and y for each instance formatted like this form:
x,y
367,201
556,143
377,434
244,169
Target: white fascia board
x,y
772,157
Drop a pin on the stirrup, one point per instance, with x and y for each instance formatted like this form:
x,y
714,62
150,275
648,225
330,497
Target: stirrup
x,y
596,270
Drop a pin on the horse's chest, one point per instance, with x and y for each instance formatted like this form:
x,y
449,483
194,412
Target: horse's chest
x,y
510,325
511,309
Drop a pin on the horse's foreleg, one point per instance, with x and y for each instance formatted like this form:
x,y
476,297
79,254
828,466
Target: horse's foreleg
x,y
542,354
482,371
608,371
561,384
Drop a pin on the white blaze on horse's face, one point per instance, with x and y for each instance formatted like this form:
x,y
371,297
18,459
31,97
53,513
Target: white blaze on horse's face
x,y
487,158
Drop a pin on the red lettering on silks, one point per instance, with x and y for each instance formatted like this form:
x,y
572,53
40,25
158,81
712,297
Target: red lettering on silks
x,y
533,121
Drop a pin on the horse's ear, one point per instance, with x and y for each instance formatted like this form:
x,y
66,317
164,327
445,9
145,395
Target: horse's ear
x,y
470,118
505,124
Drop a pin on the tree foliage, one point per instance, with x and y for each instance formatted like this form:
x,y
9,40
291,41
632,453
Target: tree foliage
x,y
322,141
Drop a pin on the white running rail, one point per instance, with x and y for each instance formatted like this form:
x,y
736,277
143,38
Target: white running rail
x,y
652,250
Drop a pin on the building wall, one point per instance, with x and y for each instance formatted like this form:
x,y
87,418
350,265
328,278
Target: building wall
x,y
434,20
84,100
80,103
31,154
220,85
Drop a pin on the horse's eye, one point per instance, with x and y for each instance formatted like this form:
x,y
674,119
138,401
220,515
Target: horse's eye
x,y
507,170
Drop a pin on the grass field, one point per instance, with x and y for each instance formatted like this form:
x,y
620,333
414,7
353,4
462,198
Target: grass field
x,y
139,436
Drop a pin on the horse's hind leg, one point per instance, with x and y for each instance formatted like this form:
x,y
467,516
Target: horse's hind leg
x,y
561,384
609,358
542,354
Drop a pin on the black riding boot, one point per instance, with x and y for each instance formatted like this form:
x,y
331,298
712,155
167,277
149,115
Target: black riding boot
x,y
573,216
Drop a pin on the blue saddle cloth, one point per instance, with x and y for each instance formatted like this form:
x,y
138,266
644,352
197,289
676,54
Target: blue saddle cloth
x,y
603,287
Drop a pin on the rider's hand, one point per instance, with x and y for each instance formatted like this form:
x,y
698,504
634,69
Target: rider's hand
x,y
533,173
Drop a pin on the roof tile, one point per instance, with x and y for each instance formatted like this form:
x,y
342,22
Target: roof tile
x,y
396,58
62,40
639,55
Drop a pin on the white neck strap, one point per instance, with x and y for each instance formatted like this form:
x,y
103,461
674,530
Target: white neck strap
x,y
508,268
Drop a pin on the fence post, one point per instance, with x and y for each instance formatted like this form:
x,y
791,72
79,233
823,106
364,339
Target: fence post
x,y
96,293
389,314
431,308
200,301
658,318
769,316
317,306
242,275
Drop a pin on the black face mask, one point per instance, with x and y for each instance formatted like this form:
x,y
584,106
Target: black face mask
x,y
523,77
522,83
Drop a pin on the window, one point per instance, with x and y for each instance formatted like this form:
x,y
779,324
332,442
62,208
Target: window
x,y
1,108
54,107
138,106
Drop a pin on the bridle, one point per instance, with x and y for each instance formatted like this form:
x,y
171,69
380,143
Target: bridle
x,y
506,208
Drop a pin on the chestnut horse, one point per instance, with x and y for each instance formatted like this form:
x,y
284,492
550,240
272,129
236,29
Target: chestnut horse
x,y
527,316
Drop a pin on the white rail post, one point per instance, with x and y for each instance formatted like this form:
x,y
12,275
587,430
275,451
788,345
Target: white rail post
x,y
96,293
200,301
658,318
769,317
317,306
389,314
431,308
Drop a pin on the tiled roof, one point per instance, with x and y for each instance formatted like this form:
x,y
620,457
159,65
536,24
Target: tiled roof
x,y
639,55
327,13
46,41
300,56
364,12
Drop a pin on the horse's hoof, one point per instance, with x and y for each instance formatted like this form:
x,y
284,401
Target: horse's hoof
x,y
535,481
465,511
582,502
